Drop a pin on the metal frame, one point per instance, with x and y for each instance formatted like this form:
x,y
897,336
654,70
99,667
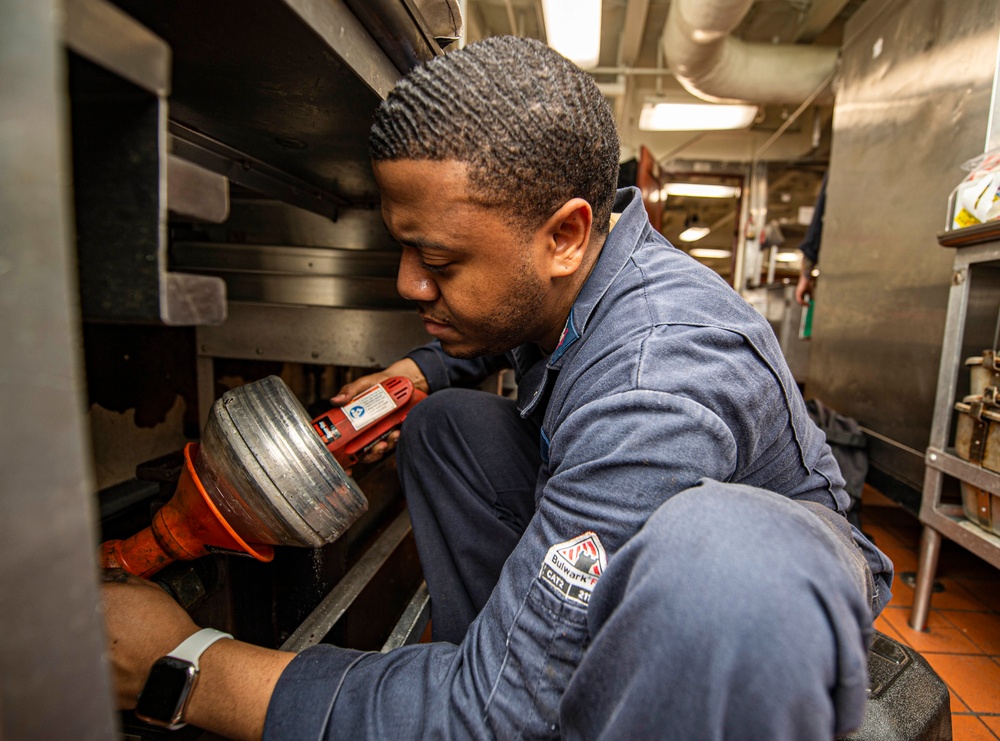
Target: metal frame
x,y
939,518
52,647
120,178
319,622
413,622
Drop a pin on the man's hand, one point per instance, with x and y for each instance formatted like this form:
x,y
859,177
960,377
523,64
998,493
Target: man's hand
x,y
405,368
807,281
804,289
143,624
235,681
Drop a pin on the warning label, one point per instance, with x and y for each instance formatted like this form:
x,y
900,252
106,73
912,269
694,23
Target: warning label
x,y
573,568
371,406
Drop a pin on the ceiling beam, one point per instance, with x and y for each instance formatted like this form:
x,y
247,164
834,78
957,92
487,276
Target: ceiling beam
x,y
633,31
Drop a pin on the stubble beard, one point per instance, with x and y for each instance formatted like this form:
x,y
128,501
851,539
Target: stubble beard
x,y
514,322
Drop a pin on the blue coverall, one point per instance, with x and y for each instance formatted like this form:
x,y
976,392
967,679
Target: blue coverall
x,y
650,542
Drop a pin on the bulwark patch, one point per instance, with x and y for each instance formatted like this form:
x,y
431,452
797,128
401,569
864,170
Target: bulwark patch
x,y
573,568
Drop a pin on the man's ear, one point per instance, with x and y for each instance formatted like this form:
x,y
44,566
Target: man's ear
x,y
567,234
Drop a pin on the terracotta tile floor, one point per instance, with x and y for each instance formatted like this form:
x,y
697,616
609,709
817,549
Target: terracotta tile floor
x,y
962,641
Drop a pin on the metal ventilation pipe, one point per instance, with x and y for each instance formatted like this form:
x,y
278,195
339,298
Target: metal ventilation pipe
x,y
714,66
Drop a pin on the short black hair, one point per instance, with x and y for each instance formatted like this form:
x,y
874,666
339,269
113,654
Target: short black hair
x,y
533,127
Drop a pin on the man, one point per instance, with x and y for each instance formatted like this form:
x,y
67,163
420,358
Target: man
x,y
649,542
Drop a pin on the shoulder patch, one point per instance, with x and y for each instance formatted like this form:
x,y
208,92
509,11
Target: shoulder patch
x,y
573,568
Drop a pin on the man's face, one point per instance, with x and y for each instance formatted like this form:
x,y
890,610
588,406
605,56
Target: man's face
x,y
479,283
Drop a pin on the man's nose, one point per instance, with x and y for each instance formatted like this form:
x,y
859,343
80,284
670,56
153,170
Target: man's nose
x,y
413,282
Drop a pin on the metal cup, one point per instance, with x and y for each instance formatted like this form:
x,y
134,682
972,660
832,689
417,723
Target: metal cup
x,y
263,465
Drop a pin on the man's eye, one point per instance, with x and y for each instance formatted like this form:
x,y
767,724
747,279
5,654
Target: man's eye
x,y
434,269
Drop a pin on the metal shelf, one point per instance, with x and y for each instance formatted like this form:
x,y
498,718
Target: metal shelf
x,y
288,87
949,519
971,303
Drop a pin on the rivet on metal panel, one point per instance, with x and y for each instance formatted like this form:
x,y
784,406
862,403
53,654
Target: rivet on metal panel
x,y
958,277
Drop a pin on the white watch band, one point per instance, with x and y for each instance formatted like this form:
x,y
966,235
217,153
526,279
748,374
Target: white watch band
x,y
193,647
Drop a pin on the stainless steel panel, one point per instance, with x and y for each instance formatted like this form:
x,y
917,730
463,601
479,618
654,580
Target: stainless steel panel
x,y
350,337
331,291
298,276
278,259
55,683
912,105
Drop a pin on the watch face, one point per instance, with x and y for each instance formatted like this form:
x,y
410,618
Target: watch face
x,y
162,699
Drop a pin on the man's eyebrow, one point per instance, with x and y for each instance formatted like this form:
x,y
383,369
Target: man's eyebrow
x,y
419,243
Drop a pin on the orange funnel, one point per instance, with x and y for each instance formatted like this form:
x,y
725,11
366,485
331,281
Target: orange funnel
x,y
187,527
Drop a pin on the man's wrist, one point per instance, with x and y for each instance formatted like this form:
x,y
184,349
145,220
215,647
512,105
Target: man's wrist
x,y
408,368
237,680
172,679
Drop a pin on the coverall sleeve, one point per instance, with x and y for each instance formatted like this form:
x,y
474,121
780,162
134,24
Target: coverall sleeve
x,y
814,234
443,371
507,677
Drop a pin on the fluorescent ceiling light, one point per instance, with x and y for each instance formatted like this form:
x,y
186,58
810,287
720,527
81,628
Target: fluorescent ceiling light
x,y
787,257
695,116
693,233
707,253
701,190
573,28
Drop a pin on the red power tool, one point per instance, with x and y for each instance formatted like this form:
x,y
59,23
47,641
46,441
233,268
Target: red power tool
x,y
350,431
263,477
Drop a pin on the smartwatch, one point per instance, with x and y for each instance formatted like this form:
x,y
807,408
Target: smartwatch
x,y
165,694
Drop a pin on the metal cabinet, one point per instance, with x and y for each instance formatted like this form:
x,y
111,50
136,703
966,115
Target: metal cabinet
x,y
125,123
970,327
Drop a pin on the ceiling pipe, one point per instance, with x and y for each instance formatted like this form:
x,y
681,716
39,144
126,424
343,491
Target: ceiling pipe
x,y
713,65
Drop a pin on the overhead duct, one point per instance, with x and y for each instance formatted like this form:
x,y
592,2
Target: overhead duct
x,y
711,64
